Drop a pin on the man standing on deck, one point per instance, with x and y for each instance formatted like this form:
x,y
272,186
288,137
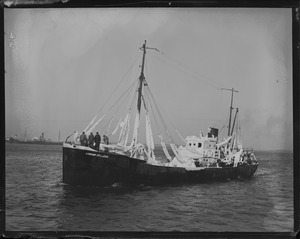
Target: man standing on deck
x,y
106,141
91,140
97,140
82,139
85,140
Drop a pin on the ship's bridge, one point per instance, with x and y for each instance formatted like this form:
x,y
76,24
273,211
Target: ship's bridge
x,y
202,146
208,142
194,142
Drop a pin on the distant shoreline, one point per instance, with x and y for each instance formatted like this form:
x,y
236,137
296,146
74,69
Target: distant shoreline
x,y
34,142
158,145
275,150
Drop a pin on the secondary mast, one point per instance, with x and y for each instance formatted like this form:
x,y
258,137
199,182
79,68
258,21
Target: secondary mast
x,y
231,108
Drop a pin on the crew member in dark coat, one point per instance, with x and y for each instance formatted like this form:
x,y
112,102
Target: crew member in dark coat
x,y
83,139
106,141
97,140
91,140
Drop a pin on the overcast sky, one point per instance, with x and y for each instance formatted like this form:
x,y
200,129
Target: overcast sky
x,y
64,63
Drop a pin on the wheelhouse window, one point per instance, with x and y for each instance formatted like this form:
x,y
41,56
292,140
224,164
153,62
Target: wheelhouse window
x,y
199,145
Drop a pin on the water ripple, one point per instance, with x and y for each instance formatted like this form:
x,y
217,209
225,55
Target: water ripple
x,y
36,199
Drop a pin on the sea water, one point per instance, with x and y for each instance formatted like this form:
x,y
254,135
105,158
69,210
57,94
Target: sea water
x,y
37,200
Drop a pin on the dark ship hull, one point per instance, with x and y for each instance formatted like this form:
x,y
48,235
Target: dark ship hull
x,y
88,167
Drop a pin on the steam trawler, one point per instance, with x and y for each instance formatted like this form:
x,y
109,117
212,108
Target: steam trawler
x,y
203,158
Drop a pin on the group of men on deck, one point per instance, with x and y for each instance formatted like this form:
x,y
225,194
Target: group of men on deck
x,y
92,141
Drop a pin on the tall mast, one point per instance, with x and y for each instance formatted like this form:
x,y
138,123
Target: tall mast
x,y
141,78
139,100
231,108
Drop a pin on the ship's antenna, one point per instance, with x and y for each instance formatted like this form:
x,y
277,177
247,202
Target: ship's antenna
x,y
232,90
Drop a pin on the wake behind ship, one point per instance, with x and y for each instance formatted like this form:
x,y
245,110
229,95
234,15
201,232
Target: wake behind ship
x,y
203,158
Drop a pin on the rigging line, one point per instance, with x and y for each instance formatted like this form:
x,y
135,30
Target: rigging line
x,y
145,106
113,115
156,107
152,110
150,63
210,83
240,128
145,83
159,131
123,94
125,100
163,132
238,125
196,76
223,127
112,93
160,116
132,101
104,104
119,106
131,105
146,68
111,119
192,75
108,122
189,69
